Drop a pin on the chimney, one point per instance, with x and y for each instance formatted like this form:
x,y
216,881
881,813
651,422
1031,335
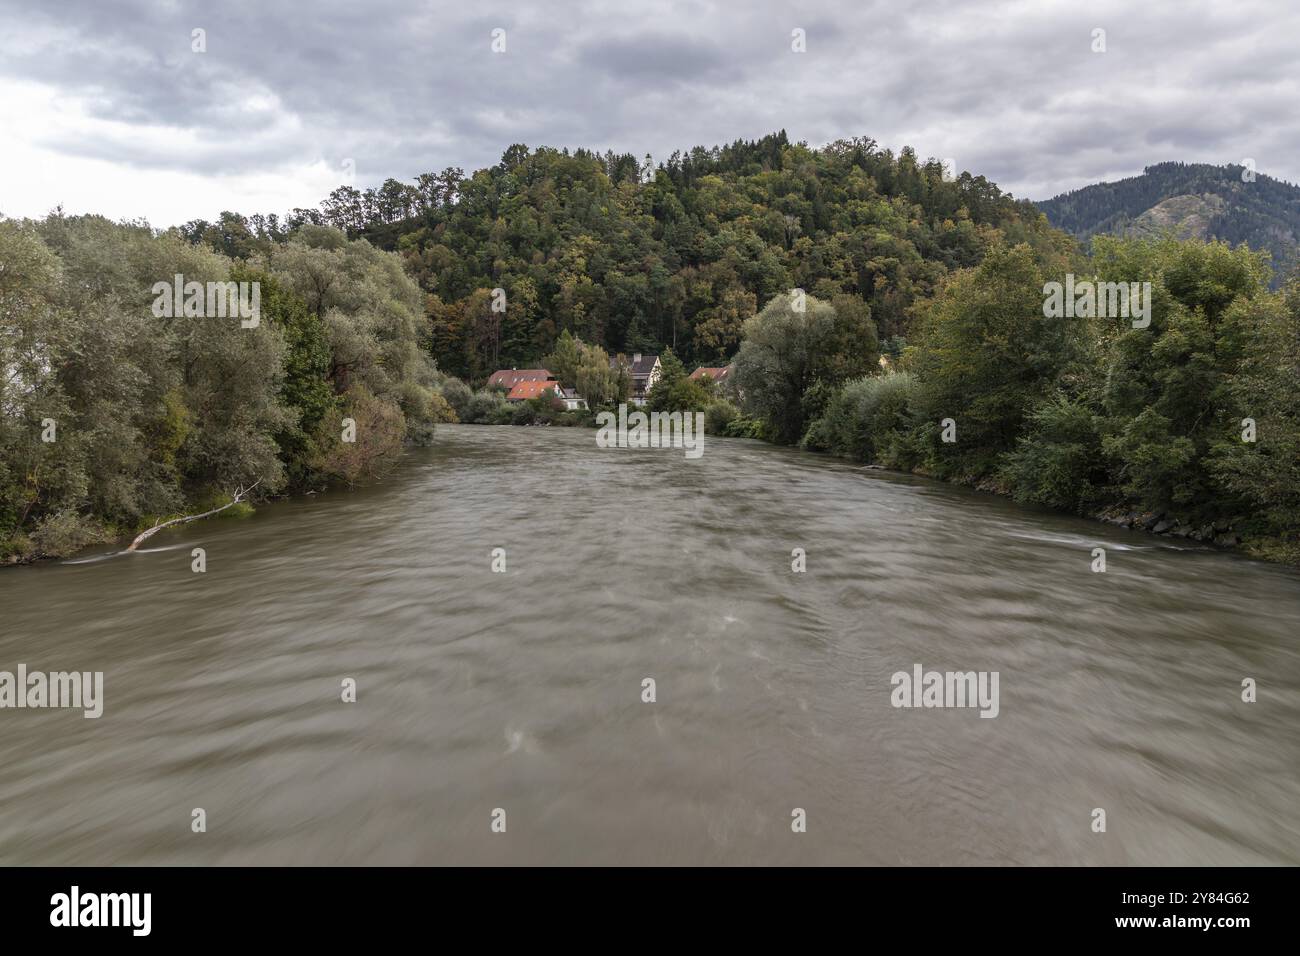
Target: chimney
x,y
636,359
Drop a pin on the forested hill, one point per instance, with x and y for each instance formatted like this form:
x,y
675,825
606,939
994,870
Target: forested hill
x,y
1196,200
632,256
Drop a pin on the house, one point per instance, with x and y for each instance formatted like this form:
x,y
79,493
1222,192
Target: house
x,y
509,378
720,375
572,400
645,371
566,398
533,388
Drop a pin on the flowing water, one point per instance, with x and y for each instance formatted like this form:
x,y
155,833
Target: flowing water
x,y
522,691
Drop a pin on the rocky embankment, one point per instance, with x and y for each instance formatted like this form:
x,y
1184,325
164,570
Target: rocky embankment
x,y
1219,533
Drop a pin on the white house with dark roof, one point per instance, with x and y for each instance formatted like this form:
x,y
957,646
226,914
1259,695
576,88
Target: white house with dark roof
x,y
572,400
645,371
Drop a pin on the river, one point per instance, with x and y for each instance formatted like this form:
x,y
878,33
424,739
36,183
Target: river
x,y
522,691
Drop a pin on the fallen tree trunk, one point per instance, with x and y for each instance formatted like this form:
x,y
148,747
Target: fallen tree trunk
x,y
240,495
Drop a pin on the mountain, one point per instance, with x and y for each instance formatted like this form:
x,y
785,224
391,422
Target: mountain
x,y
634,257
1194,200
640,258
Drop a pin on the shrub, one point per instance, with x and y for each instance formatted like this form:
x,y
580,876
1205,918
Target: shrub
x,y
485,407
742,427
1059,462
867,419
63,533
718,415
457,394
379,434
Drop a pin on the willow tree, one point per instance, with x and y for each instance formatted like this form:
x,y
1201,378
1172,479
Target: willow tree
x,y
797,342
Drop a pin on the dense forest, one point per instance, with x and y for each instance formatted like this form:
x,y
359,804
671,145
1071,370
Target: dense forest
x,y
1193,200
802,266
633,257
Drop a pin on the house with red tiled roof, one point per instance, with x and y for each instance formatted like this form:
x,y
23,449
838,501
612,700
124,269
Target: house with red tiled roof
x,y
533,388
719,374
510,377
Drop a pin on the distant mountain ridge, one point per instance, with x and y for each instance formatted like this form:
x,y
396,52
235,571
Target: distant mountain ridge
x,y
1195,200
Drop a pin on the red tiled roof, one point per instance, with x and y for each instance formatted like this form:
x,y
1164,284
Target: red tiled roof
x,y
510,377
717,374
531,389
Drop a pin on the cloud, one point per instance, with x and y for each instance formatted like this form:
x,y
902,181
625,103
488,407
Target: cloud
x,y
106,107
658,59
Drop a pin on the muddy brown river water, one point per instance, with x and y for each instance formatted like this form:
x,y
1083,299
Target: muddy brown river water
x,y
522,691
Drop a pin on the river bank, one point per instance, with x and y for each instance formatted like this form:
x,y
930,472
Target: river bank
x,y
1221,535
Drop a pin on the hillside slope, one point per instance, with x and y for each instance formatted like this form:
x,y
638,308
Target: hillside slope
x,y
1194,200
632,256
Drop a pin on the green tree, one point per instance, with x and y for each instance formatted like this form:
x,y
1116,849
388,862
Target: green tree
x,y
1169,395
305,390
675,391
596,381
786,350
987,356
1059,461
1263,475
564,360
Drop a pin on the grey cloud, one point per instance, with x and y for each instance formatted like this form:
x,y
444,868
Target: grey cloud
x,y
1010,91
656,57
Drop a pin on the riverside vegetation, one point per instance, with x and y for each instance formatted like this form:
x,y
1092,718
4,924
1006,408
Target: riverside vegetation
x,y
114,419
378,307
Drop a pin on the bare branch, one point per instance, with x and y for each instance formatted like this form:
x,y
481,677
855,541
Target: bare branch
x,y
240,494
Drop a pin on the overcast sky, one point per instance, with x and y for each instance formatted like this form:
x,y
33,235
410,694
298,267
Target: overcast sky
x,y
105,107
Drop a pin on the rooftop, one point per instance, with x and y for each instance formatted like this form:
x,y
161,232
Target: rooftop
x,y
510,377
531,388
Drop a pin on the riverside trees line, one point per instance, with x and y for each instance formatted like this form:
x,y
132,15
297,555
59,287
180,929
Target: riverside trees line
x,y
598,255
115,418
1187,419
1193,418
